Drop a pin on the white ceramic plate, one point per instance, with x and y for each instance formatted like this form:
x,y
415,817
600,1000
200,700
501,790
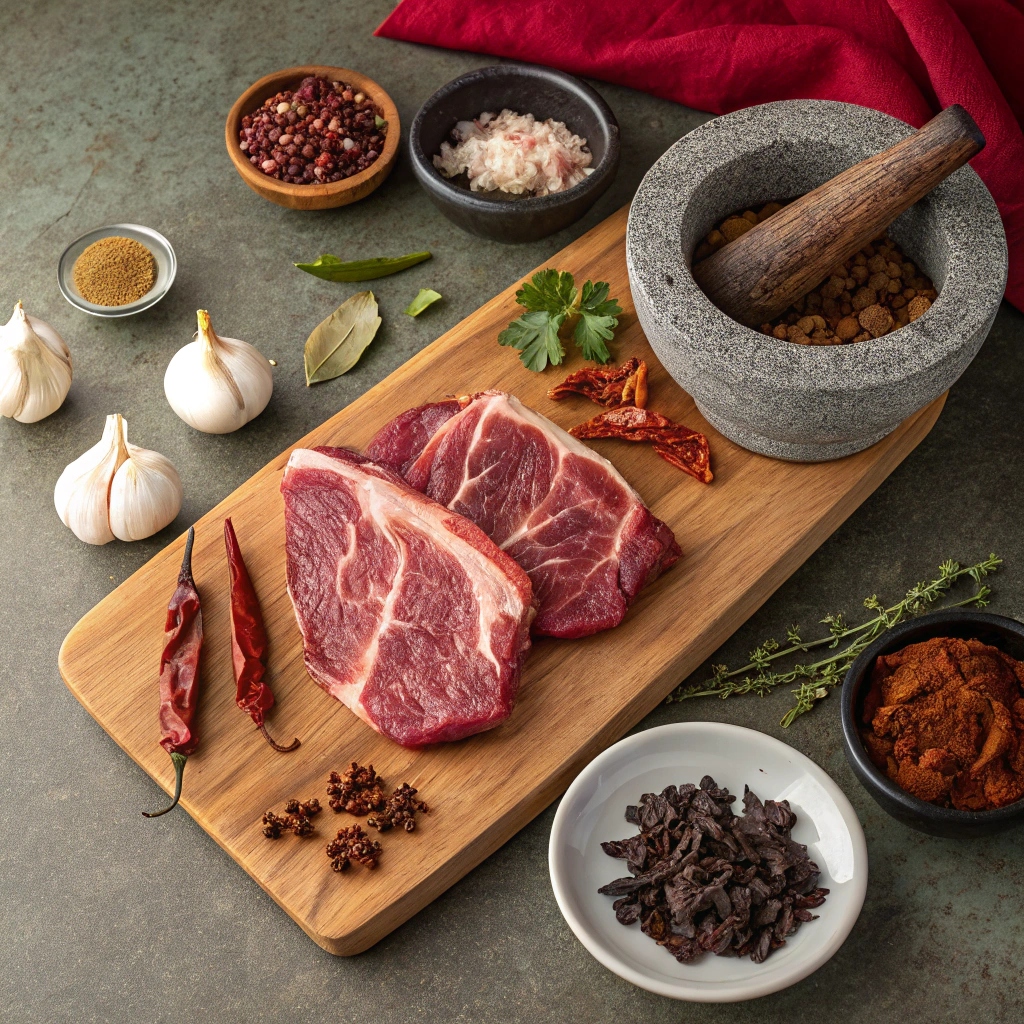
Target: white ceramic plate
x,y
163,254
592,811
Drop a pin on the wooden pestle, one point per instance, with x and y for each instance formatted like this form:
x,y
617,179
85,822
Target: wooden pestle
x,y
756,276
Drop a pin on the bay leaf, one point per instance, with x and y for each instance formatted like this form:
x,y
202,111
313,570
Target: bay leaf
x,y
330,268
336,344
426,297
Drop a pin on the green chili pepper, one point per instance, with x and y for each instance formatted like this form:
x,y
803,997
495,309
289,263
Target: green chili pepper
x,y
330,268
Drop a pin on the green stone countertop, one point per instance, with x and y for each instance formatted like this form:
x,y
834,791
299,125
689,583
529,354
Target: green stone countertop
x,y
114,112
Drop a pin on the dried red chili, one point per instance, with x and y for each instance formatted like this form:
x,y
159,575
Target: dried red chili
x,y
685,448
607,386
179,672
248,642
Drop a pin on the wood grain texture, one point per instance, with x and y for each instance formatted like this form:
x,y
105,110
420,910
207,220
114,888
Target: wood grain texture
x,y
741,536
314,196
756,276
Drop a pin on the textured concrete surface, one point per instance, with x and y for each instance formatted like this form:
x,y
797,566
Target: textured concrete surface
x,y
114,113
807,402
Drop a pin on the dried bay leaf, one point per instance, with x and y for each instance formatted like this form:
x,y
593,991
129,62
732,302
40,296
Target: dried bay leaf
x,y
336,344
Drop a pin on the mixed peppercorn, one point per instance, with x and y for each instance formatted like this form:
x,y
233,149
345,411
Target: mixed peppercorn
x,y
323,131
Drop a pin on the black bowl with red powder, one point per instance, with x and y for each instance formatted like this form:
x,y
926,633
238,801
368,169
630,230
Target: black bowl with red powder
x,y
1005,634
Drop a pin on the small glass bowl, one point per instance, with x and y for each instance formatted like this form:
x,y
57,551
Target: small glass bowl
x,y
163,254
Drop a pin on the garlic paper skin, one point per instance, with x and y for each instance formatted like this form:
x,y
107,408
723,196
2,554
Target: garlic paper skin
x,y
218,384
117,489
35,368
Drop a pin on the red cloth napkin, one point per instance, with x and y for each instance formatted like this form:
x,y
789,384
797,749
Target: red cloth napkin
x,y
908,58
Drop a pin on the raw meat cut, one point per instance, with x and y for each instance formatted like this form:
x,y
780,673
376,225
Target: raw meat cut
x,y
584,537
409,614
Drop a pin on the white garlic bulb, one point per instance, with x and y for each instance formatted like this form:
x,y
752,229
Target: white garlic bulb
x,y
35,368
218,384
117,489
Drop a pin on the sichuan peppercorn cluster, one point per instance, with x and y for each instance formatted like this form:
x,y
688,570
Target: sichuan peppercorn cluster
x,y
359,791
323,131
876,291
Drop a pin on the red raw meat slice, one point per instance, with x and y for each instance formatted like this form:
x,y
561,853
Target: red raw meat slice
x,y
584,537
409,614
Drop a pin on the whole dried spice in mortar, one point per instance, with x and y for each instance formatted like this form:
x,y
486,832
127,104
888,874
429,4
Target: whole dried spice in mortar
x,y
875,292
944,719
704,880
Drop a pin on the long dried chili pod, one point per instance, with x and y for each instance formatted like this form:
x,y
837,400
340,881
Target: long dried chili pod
x,y
179,672
248,642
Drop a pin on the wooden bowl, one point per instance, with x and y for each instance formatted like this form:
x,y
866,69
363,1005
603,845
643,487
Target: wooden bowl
x,y
315,196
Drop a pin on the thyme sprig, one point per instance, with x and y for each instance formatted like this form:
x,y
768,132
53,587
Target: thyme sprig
x,y
815,679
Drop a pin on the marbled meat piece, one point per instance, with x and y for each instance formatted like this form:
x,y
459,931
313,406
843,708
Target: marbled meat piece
x,y
409,614
584,537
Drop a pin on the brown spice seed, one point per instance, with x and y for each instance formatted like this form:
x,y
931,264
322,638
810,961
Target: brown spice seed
x,y
876,319
918,307
733,227
848,328
114,271
863,298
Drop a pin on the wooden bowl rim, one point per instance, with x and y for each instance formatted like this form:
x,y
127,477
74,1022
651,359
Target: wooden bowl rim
x,y
278,80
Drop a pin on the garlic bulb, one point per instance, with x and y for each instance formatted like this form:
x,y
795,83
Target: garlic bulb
x,y
35,368
218,384
117,489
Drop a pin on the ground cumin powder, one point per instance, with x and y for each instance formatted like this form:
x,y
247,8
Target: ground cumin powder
x,y
114,271
944,719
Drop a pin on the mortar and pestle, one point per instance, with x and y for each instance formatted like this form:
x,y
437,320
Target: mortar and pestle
x,y
857,172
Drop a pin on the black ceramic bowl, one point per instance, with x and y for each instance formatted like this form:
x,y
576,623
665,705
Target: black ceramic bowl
x,y
997,630
527,89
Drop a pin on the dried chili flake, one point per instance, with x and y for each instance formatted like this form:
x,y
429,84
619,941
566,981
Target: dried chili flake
x,y
357,790
353,844
685,448
399,812
607,386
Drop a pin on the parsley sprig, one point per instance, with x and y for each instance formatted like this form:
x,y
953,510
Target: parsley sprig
x,y
551,300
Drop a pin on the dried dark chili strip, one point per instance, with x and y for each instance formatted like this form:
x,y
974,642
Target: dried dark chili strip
x,y
685,448
179,673
248,642
607,386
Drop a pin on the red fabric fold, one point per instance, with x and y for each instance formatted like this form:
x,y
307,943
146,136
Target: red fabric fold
x,y
908,58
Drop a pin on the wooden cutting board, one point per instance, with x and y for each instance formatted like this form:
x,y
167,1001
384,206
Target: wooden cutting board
x,y
741,536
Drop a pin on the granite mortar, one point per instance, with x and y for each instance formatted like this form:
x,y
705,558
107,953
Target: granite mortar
x,y
807,403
